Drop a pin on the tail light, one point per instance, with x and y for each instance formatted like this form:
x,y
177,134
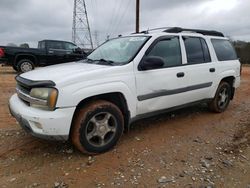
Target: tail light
x,y
1,52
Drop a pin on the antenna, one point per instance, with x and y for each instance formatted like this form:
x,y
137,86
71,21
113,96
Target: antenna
x,y
81,34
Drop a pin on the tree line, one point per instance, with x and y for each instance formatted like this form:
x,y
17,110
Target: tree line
x,y
243,51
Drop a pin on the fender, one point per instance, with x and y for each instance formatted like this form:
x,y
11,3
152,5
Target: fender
x,y
220,77
225,74
72,98
18,55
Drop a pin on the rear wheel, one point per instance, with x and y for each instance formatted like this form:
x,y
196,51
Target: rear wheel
x,y
97,127
25,65
222,98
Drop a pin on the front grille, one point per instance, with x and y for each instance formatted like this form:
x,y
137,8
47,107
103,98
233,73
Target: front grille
x,y
23,94
23,89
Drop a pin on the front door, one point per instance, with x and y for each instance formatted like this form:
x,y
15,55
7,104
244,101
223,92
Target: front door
x,y
162,88
55,52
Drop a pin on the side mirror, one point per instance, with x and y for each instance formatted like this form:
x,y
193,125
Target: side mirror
x,y
77,50
151,62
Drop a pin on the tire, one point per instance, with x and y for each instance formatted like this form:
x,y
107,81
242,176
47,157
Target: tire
x,y
15,68
222,98
97,127
25,65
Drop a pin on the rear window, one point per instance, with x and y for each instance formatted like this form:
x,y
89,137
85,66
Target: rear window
x,y
224,50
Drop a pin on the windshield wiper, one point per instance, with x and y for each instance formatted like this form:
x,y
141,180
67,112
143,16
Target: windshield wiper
x,y
106,61
91,60
96,61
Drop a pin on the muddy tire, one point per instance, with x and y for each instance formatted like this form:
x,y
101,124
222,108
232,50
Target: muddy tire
x,y
97,127
222,98
25,65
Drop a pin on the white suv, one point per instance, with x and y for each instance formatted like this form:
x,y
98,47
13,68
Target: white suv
x,y
125,79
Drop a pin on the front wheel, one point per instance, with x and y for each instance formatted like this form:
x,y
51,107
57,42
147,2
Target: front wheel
x,y
97,127
222,98
25,65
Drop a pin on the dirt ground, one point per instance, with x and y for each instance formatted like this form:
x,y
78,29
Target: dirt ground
x,y
191,147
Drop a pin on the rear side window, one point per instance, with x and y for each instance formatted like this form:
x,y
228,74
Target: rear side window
x,y
197,50
55,45
206,54
41,45
169,50
224,50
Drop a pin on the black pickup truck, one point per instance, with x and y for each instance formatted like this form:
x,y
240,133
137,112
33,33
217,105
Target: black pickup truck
x,y
49,52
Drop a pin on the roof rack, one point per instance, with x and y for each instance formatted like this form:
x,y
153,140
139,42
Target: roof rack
x,y
154,29
204,32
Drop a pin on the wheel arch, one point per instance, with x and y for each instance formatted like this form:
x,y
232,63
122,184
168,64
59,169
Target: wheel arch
x,y
30,57
116,98
230,80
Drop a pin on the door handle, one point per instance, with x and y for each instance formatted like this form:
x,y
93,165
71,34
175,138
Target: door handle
x,y
180,74
51,52
212,70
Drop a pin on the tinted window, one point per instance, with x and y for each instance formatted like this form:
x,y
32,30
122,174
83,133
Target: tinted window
x,y
41,45
169,50
70,46
197,50
55,45
224,50
206,53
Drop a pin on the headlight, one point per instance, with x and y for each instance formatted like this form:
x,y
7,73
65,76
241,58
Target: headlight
x,y
44,98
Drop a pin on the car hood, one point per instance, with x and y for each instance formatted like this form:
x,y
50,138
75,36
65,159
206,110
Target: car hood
x,y
63,72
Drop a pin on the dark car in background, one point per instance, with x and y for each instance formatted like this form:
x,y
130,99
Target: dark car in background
x,y
49,52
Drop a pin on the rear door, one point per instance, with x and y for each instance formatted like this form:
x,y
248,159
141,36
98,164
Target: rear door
x,y
200,71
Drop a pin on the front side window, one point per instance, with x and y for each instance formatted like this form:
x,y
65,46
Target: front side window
x,y
169,50
70,46
197,50
224,50
118,51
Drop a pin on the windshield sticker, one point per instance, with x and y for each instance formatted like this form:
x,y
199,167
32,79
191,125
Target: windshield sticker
x,y
137,39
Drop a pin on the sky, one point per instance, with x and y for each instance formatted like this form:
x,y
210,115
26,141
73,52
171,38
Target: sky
x,y
33,20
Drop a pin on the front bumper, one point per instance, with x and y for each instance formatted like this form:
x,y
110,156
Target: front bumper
x,y
50,125
237,82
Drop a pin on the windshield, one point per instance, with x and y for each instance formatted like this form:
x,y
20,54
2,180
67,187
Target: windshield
x,y
118,51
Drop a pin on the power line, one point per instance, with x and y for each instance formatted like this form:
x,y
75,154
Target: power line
x,y
112,16
123,15
115,18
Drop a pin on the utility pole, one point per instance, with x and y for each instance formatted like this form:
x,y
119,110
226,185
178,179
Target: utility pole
x,y
137,25
81,34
